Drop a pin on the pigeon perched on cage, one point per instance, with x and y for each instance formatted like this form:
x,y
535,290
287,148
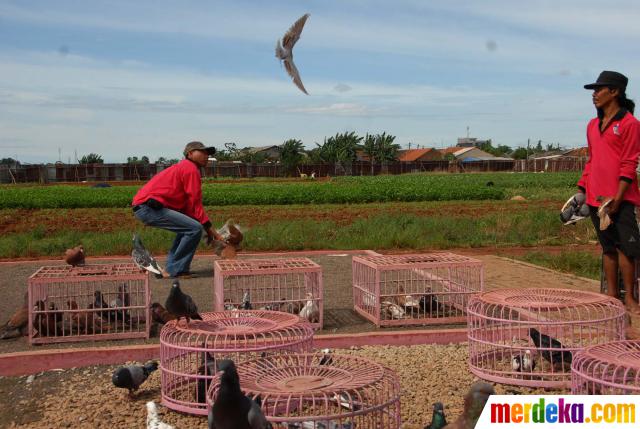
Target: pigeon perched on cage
x,y
438,419
574,209
180,304
74,256
284,50
474,402
17,324
131,377
143,259
159,314
153,420
232,409
559,355
310,311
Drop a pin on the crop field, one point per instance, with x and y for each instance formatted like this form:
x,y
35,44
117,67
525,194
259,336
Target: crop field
x,y
409,212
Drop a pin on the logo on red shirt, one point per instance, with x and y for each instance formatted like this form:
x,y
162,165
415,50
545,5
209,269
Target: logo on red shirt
x,y
616,129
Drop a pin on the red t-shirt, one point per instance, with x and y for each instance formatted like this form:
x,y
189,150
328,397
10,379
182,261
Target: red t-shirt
x,y
179,188
613,155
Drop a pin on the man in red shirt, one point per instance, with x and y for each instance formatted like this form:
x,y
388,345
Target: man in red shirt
x,y
610,172
172,200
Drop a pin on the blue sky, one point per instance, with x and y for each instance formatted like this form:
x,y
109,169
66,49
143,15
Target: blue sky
x,y
133,78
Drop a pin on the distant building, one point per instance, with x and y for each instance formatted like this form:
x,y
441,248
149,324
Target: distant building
x,y
471,142
418,155
272,153
466,154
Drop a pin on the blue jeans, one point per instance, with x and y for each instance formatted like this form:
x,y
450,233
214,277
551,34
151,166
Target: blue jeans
x,y
188,234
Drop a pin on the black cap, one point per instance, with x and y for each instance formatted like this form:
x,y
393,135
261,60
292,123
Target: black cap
x,y
198,146
611,79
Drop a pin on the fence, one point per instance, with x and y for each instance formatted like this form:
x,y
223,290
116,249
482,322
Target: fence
x,y
56,173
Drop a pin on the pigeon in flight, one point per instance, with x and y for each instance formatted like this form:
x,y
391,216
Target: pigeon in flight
x,y
232,409
143,259
284,50
132,376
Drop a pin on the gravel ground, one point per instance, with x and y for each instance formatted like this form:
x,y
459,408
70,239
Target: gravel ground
x,y
85,397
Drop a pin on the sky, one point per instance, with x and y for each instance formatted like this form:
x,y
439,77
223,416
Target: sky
x,y
143,78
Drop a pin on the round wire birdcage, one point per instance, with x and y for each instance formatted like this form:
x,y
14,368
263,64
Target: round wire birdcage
x,y
607,369
527,337
320,390
188,351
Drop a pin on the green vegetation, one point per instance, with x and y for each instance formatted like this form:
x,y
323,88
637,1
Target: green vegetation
x,y
584,264
351,190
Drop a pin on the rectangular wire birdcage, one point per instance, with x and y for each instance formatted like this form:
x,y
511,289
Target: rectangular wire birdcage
x,y
90,302
396,290
291,285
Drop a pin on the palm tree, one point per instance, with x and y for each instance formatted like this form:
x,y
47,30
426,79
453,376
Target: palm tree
x,y
370,149
291,154
386,149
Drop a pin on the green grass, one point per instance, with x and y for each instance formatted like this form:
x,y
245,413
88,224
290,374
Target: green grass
x,y
583,264
382,231
343,190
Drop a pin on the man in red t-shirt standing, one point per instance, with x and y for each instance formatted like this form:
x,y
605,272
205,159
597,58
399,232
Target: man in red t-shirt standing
x,y
610,173
172,200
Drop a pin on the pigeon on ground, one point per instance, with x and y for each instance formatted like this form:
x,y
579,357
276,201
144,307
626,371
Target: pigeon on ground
x,y
284,50
153,420
310,311
99,302
523,362
180,304
438,419
574,209
74,256
431,306
143,259
474,402
326,357
558,356
159,314
232,409
18,323
131,377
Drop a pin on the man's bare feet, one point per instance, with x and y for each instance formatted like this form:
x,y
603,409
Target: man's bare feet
x,y
165,274
631,305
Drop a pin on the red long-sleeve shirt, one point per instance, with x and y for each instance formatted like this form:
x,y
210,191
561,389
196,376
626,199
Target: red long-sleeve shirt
x,y
179,188
613,156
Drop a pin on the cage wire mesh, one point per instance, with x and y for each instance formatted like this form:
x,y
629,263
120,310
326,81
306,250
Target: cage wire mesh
x,y
90,302
607,369
290,285
312,391
392,290
188,351
528,337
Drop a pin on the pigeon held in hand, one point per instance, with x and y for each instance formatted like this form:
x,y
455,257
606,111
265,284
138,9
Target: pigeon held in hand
x,y
284,50
232,409
180,304
574,209
131,377
143,259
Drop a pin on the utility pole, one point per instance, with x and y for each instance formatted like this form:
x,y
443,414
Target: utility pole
x,y
528,144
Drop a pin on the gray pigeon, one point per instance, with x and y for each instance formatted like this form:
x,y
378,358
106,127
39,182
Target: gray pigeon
x,y
132,376
574,209
232,409
180,304
284,50
143,259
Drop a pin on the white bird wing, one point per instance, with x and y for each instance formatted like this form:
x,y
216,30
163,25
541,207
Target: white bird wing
x,y
293,72
293,34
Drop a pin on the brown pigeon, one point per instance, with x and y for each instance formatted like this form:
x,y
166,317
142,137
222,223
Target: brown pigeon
x,y
473,404
75,256
17,324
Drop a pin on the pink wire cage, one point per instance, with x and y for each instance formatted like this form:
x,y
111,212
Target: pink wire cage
x,y
90,302
291,285
607,369
529,337
393,290
319,391
188,351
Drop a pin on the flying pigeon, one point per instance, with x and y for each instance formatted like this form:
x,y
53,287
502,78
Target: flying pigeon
x,y
438,419
180,304
143,259
558,354
574,209
474,402
232,409
284,50
153,420
132,376
74,256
